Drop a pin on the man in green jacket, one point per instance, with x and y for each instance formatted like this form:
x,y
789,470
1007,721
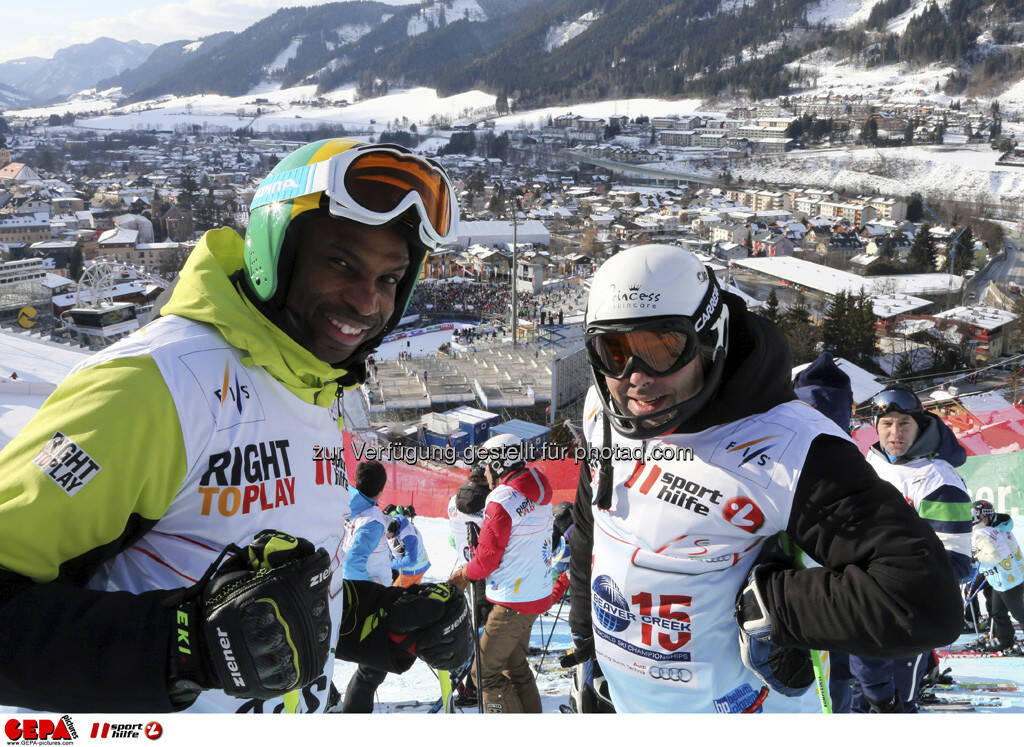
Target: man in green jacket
x,y
172,518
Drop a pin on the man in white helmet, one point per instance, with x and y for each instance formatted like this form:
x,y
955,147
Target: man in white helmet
x,y
512,554
673,588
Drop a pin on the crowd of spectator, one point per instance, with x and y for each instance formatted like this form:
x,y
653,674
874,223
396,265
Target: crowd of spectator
x,y
489,299
486,299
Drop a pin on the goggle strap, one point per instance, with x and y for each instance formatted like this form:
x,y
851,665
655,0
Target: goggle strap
x,y
291,184
317,177
710,306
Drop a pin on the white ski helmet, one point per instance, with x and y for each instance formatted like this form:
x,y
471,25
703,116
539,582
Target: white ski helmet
x,y
503,453
662,289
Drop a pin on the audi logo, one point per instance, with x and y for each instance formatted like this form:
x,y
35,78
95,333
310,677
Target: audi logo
x,y
676,674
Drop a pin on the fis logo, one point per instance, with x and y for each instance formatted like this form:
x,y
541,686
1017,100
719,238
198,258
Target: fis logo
x,y
231,395
40,730
66,463
752,451
751,455
231,390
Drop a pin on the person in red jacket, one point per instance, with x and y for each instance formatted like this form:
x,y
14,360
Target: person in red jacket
x,y
512,553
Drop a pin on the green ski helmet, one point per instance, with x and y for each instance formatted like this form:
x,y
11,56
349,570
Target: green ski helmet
x,y
373,184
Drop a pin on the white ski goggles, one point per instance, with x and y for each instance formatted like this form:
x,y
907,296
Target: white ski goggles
x,y
373,185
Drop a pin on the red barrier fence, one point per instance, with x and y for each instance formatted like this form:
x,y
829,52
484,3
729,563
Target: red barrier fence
x,y
428,486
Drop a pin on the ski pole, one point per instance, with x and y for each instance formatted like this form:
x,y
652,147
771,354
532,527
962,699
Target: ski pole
x,y
544,653
476,647
975,593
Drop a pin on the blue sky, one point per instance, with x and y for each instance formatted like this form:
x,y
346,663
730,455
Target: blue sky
x,y
39,30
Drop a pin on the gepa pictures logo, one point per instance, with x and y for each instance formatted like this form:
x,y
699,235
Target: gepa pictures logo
x,y
40,730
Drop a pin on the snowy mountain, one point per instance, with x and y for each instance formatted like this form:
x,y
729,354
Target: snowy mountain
x,y
563,51
11,98
73,68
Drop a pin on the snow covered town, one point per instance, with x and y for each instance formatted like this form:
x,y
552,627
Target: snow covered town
x,y
902,262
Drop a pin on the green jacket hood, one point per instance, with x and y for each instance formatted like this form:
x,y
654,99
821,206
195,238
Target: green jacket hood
x,y
205,293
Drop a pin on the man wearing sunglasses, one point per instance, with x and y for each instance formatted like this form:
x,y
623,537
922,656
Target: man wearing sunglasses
x,y
677,583
918,454
172,519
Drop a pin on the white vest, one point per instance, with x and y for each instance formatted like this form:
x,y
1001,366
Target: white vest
x,y
675,547
378,564
457,521
916,480
999,557
258,458
399,546
523,574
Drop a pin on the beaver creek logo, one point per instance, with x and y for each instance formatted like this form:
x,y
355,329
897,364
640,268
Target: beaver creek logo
x,y
610,606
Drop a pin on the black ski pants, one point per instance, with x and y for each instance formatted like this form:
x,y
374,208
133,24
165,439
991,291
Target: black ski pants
x,y
1004,604
362,687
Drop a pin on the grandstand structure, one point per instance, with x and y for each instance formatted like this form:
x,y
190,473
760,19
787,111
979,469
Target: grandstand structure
x,y
494,377
22,287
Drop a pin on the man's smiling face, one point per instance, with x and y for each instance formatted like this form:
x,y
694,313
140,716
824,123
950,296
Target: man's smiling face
x,y
342,290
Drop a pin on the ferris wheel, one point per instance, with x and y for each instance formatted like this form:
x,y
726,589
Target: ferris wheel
x,y
96,285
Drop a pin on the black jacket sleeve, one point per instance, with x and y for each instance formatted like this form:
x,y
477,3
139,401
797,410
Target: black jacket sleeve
x,y
65,648
886,588
581,548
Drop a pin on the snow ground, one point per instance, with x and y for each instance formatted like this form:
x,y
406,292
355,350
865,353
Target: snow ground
x,y
848,13
562,34
420,682
290,109
34,361
928,169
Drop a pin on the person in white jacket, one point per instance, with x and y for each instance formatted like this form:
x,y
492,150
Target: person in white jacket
x,y
1001,562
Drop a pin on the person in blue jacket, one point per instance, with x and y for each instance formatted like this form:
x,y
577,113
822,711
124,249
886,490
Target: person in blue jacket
x,y
366,559
409,559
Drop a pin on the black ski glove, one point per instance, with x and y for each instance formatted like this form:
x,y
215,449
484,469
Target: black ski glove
x,y
387,627
786,670
432,622
472,534
583,650
256,626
